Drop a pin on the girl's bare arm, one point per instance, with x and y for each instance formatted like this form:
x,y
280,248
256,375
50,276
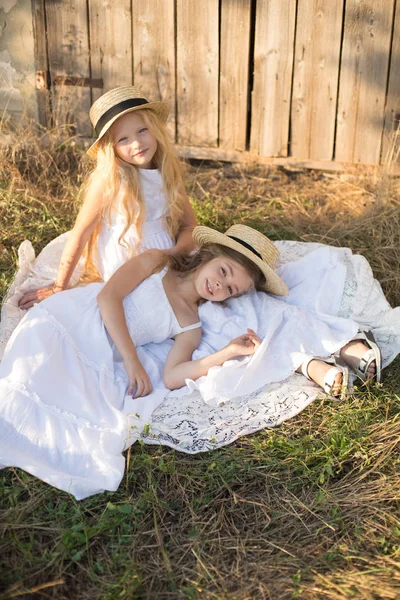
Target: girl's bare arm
x,y
124,280
179,367
184,241
86,221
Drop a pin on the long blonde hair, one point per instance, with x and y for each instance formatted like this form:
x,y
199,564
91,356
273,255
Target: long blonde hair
x,y
121,180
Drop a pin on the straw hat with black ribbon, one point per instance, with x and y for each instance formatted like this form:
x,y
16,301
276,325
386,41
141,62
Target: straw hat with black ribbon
x,y
252,244
117,102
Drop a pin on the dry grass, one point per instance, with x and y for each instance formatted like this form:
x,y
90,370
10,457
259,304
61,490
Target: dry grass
x,y
361,210
307,510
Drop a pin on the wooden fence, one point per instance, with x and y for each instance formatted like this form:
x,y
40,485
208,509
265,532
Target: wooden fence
x,y
316,80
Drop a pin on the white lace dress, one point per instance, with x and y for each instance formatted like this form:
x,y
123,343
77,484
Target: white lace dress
x,y
39,272
63,385
332,293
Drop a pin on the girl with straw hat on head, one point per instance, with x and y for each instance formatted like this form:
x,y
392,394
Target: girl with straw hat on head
x,y
134,198
73,358
227,265
73,363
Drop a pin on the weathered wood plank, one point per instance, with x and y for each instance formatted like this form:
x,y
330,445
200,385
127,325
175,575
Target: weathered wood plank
x,y
273,64
68,50
110,43
392,113
315,78
234,73
197,72
39,35
363,78
247,158
154,52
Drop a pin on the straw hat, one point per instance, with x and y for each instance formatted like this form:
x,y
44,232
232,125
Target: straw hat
x,y
117,102
252,244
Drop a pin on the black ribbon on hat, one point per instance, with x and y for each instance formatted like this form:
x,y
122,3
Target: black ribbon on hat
x,y
246,245
116,110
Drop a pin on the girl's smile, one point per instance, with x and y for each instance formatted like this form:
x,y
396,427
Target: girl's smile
x,y
222,278
133,142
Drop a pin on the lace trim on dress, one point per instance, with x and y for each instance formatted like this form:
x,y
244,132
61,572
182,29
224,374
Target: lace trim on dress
x,y
290,250
349,289
189,425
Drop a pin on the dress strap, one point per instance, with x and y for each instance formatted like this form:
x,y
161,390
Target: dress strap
x,y
192,326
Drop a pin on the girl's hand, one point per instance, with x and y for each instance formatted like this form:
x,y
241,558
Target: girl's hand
x,y
244,345
35,296
139,382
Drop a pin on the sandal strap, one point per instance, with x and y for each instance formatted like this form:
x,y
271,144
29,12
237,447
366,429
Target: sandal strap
x,y
366,360
370,356
346,386
329,378
304,367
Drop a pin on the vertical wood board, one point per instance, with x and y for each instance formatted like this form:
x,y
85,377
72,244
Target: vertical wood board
x,y
110,44
315,78
197,72
153,23
234,73
273,64
363,78
391,134
68,48
39,35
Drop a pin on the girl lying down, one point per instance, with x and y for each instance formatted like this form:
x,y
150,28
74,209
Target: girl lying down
x,y
62,365
72,360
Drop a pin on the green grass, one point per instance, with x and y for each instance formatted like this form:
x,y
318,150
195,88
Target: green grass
x,y
307,510
313,501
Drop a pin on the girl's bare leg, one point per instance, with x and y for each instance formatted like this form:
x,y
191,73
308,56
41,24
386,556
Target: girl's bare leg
x,y
352,353
317,370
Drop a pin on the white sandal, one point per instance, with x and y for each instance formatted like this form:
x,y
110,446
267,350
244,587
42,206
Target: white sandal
x,y
329,379
370,356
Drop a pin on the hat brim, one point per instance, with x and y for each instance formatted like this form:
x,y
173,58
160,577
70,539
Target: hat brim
x,y
160,108
273,283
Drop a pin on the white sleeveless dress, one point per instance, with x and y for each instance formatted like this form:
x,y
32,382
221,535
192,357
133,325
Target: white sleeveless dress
x,y
63,385
39,272
111,254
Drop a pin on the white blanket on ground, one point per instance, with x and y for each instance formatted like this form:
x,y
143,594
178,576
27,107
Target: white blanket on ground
x,y
332,293
338,294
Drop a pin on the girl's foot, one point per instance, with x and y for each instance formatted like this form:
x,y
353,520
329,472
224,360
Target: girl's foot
x,y
353,352
317,370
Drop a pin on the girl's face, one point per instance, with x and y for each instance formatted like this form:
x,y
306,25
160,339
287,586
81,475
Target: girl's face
x,y
133,142
222,278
